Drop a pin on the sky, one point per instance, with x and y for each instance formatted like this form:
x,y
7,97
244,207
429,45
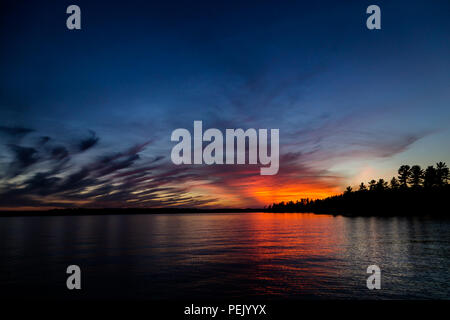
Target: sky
x,y
86,115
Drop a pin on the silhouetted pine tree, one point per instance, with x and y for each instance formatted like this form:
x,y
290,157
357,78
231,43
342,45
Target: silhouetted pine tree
x,y
442,173
416,176
404,173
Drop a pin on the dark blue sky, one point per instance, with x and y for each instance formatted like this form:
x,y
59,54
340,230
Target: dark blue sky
x,y
351,104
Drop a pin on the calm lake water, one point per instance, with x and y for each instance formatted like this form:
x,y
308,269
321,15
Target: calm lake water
x,y
225,256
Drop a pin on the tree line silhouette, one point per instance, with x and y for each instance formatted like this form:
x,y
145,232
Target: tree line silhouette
x,y
413,191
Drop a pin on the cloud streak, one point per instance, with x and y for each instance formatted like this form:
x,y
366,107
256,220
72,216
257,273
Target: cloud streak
x,y
51,176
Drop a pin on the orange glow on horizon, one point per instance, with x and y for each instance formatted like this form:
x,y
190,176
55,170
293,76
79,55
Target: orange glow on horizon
x,y
259,191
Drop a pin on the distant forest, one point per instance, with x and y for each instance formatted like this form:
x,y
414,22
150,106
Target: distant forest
x,y
414,191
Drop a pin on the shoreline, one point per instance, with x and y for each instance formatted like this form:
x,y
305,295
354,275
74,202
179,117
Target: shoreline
x,y
116,211
142,211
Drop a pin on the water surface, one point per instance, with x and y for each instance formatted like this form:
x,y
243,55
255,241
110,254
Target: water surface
x,y
225,256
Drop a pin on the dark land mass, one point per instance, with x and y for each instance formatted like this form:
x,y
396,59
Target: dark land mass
x,y
375,203
414,192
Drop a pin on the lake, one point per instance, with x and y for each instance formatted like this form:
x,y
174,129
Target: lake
x,y
224,256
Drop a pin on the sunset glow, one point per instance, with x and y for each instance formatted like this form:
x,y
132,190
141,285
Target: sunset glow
x,y
92,127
